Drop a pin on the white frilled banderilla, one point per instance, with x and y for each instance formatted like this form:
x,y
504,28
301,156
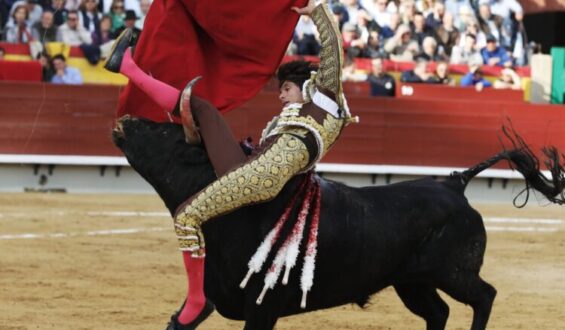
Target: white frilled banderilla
x,y
288,252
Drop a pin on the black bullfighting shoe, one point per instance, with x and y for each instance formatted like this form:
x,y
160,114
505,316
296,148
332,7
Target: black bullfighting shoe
x,y
119,47
174,323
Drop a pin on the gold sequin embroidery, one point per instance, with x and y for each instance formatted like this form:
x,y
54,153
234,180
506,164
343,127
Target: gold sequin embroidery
x,y
257,181
327,132
331,53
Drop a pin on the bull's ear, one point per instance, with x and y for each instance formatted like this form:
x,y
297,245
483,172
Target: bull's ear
x,y
190,130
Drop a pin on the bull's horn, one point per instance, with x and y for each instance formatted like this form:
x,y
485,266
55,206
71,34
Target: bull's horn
x,y
190,130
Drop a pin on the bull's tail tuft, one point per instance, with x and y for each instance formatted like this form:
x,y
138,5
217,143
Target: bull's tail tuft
x,y
522,159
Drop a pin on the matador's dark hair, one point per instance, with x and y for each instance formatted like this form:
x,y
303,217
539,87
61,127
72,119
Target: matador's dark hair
x,y
296,71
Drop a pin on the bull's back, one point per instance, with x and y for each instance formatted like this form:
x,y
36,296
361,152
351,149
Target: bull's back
x,y
369,235
366,237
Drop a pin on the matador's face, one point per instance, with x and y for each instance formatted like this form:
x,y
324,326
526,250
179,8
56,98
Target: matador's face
x,y
290,93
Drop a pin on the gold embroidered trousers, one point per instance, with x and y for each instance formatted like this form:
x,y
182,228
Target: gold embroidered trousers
x,y
258,180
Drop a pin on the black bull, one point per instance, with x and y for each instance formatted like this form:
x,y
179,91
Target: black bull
x,y
418,236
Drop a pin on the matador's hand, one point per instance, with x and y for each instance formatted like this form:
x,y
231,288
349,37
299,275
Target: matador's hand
x,y
308,9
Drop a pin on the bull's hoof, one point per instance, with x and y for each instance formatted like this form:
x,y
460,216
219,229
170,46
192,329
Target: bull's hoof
x,y
174,324
122,43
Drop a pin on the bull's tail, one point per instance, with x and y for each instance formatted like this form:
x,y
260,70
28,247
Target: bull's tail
x,y
524,161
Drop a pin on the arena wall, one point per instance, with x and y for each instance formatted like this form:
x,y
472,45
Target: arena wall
x,y
58,138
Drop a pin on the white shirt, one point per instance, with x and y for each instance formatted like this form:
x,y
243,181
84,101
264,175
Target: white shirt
x,y
504,7
381,17
91,26
353,13
305,26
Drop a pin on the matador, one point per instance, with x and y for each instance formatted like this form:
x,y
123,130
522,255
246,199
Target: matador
x,y
313,116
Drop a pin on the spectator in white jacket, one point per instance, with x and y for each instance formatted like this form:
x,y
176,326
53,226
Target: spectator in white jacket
x,y
467,53
72,33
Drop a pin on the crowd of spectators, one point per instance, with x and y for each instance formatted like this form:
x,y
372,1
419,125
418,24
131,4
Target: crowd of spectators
x,y
91,25
470,32
456,31
383,84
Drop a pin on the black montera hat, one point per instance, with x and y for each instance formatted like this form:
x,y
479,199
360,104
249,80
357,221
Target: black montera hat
x,y
130,14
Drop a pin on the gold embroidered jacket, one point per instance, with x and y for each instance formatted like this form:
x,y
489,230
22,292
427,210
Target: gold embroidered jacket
x,y
324,112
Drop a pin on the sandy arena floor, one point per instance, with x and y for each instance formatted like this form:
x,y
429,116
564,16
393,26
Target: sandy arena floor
x,y
65,264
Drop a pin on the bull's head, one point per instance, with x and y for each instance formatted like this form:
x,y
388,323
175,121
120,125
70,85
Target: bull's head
x,y
160,154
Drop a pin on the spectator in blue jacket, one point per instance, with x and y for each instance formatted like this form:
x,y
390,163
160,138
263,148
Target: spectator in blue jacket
x,y
63,73
475,78
495,55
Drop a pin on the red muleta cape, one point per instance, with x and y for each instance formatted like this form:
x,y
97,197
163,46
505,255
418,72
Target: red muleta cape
x,y
235,46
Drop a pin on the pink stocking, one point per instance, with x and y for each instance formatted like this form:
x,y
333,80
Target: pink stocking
x,y
164,95
195,299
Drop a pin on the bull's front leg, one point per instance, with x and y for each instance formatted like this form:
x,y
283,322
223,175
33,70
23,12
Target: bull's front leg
x,y
258,321
262,316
